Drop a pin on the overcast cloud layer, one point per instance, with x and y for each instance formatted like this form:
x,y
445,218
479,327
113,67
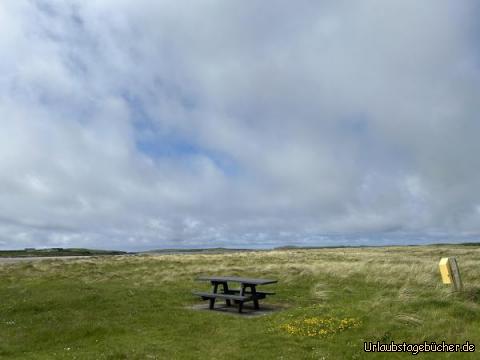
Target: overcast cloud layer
x,y
146,124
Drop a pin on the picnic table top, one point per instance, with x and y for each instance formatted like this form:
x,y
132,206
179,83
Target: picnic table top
x,y
237,279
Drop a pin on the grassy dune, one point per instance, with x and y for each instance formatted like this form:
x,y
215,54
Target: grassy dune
x,y
139,307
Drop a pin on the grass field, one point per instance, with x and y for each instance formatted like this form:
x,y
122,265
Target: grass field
x,y
140,307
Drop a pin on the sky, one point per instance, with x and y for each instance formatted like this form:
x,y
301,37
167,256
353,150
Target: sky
x,y
158,124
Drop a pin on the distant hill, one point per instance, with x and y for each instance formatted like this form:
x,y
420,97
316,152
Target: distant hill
x,y
294,247
31,252
217,250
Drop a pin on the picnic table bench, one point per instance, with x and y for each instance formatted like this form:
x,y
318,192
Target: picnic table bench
x,y
247,292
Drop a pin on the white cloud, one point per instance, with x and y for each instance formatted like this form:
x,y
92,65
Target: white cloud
x,y
160,124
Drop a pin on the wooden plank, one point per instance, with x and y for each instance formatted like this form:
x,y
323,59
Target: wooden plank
x,y
221,296
237,279
258,292
457,280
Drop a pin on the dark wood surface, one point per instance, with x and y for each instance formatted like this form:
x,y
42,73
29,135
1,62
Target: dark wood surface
x,y
222,296
237,291
239,296
240,280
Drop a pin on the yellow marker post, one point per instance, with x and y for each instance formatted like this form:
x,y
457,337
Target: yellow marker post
x,y
445,271
450,272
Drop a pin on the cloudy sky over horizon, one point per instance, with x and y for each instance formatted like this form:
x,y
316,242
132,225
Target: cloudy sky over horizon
x,y
140,124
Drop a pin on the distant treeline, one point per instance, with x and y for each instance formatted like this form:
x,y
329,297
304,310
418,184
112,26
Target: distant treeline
x,y
31,252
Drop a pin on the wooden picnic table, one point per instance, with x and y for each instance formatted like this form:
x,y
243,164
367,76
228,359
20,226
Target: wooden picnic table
x,y
238,296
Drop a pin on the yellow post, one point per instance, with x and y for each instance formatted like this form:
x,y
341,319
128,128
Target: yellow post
x,y
450,272
445,271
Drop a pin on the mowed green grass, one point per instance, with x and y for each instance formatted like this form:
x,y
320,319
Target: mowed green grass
x,y
140,307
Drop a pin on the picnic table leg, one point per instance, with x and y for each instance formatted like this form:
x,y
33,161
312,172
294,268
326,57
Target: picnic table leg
x,y
254,297
212,300
240,304
225,291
